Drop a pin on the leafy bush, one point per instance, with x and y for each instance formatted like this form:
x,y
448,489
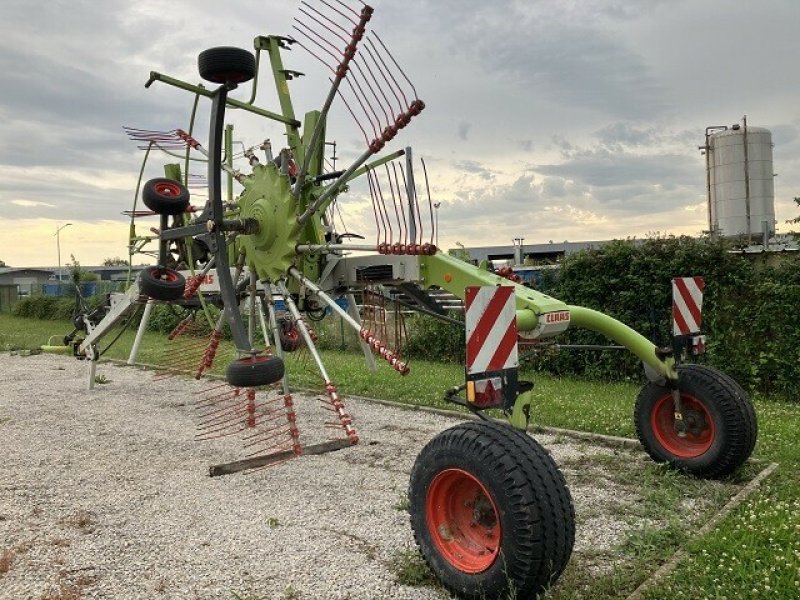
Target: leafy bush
x,y
165,317
51,308
770,333
433,339
751,311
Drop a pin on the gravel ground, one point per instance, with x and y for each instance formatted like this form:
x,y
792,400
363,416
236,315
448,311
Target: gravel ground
x,y
105,494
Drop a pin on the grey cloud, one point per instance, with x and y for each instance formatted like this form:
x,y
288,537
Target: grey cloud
x,y
561,143
67,144
502,199
79,200
472,166
616,10
625,136
601,167
582,68
638,198
562,51
784,134
463,130
554,187
624,133
575,63
55,93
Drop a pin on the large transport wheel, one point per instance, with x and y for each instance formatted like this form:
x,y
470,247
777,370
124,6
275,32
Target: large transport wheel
x,y
161,284
721,426
226,64
255,371
491,512
165,196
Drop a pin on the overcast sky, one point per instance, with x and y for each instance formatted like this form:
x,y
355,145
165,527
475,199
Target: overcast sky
x,y
547,120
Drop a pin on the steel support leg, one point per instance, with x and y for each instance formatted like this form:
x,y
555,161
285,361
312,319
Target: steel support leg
x,y
148,310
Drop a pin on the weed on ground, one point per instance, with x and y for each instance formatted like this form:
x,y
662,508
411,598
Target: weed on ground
x,y
410,569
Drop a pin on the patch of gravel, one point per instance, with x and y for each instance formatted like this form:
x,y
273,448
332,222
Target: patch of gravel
x,y
106,493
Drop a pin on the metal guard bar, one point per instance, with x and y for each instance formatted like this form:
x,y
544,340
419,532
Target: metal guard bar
x,y
455,275
634,341
155,76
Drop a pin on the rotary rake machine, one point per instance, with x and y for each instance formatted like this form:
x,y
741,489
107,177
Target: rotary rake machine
x,y
491,511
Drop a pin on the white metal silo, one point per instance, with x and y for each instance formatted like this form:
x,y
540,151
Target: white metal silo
x,y
740,181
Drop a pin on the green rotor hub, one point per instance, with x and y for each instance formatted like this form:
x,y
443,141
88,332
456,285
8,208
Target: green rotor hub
x,y
268,199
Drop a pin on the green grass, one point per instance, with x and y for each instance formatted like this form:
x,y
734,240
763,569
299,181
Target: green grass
x,y
410,569
755,552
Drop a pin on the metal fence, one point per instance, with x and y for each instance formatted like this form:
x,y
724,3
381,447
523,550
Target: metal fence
x,y
89,288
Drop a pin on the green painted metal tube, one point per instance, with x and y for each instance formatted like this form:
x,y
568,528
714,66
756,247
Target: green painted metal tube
x,y
639,345
155,76
455,275
273,45
56,349
376,163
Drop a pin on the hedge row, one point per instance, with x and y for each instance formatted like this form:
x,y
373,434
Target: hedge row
x,y
751,311
49,308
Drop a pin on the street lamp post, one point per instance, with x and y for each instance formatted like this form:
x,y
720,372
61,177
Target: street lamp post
x,y
58,246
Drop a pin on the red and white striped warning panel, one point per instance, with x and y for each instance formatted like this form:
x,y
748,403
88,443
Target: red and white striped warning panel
x,y
491,321
687,305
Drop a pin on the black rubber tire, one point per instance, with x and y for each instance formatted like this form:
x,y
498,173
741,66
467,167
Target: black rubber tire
x,y
161,284
289,335
165,196
254,372
226,64
735,426
534,506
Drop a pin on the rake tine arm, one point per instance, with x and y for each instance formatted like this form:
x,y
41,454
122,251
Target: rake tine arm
x,y
330,387
430,202
193,143
375,163
341,71
376,344
388,232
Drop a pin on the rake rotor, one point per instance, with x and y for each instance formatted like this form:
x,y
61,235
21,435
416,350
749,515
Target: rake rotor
x,y
276,239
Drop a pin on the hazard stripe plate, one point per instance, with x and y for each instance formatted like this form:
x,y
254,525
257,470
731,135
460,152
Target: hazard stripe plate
x,y
491,323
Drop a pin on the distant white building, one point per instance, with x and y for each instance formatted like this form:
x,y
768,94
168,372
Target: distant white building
x,y
31,280
27,279
520,253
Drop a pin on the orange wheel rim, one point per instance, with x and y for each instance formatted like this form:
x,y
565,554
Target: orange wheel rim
x,y
463,521
167,188
700,430
165,275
